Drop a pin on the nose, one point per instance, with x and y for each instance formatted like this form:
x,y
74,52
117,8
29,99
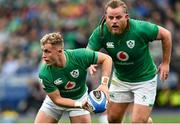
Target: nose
x,y
43,56
114,20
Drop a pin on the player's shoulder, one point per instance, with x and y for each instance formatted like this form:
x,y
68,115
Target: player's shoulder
x,y
97,30
73,51
136,21
79,52
44,68
141,23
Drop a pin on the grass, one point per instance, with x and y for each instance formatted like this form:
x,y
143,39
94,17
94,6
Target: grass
x,y
165,117
158,117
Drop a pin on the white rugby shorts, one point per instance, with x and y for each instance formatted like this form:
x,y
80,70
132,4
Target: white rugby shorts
x,y
56,112
143,93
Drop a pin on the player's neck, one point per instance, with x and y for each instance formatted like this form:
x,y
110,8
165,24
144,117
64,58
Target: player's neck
x,y
62,61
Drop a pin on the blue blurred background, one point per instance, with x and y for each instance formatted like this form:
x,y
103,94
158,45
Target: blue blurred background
x,y
24,22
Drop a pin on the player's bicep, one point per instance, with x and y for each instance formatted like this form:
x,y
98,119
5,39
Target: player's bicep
x,y
162,32
102,57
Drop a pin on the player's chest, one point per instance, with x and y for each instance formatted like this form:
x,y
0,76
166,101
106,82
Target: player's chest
x,y
69,77
124,49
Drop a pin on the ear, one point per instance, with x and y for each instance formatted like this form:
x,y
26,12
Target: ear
x,y
127,16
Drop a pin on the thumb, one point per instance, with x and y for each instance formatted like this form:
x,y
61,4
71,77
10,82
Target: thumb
x,y
91,72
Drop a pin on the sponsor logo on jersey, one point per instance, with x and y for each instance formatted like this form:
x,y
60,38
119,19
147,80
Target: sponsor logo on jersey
x,y
58,81
75,73
130,43
110,45
70,85
123,56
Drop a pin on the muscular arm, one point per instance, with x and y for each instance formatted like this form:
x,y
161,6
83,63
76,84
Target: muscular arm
x,y
106,62
165,36
60,101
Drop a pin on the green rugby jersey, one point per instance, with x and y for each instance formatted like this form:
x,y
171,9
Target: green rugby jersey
x,y
129,51
70,80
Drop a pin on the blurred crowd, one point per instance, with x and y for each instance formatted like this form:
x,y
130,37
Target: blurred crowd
x,y
24,22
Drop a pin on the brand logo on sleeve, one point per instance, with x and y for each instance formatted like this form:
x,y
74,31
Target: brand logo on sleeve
x,y
130,43
110,44
123,56
75,73
58,81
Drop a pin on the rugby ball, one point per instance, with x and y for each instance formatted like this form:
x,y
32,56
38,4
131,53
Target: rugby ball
x,y
97,101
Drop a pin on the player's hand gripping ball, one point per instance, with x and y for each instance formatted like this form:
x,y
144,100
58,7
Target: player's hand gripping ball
x,y
97,101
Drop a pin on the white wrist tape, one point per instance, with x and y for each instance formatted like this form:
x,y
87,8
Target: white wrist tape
x,y
104,80
78,104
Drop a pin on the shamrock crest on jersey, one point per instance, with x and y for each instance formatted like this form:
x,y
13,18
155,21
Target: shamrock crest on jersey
x,y
130,43
75,73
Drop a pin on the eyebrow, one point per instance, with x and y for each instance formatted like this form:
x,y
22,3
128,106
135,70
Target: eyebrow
x,y
115,16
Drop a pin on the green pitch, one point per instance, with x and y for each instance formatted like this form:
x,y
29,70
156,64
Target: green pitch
x,y
157,118
161,118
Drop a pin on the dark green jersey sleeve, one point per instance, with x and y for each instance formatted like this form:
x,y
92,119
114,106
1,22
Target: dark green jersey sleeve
x,y
86,57
94,40
46,79
149,31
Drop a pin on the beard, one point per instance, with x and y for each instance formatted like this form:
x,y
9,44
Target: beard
x,y
117,28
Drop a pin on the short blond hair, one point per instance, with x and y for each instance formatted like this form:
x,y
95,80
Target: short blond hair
x,y
116,3
54,38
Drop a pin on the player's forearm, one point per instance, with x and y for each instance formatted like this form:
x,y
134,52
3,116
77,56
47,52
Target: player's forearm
x,y
106,69
166,47
106,62
66,102
165,36
61,101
